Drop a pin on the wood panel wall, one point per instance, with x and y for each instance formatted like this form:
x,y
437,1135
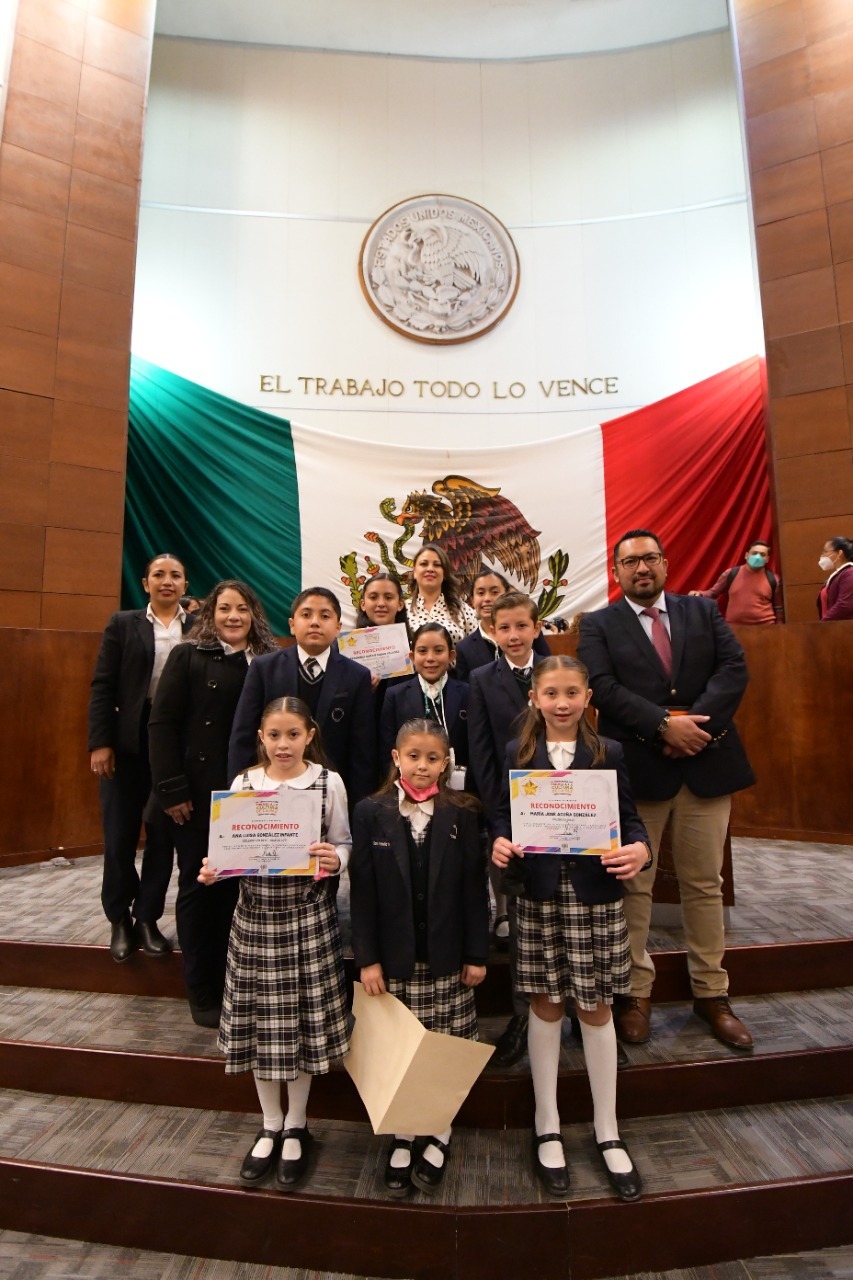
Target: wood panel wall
x,y
70,162
796,61
797,709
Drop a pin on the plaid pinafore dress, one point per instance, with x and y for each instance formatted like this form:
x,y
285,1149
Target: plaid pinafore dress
x,y
284,1009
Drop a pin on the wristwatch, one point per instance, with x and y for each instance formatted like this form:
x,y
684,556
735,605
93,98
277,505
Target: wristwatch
x,y
650,859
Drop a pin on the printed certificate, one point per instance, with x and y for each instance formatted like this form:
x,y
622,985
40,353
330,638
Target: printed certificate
x,y
565,810
383,650
264,833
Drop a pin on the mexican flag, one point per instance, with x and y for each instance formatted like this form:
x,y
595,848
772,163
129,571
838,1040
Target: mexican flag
x,y
235,492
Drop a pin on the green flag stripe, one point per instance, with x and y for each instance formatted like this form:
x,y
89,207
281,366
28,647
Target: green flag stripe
x,y
214,482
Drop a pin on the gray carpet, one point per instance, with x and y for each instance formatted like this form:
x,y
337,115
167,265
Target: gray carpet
x,y
784,891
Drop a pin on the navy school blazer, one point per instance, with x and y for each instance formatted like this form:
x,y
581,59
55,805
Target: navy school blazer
x,y
344,713
495,706
536,875
474,652
121,679
405,701
383,929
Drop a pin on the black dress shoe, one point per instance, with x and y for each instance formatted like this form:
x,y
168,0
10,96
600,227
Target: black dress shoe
x,y
254,1169
398,1178
428,1176
151,939
122,940
205,1015
628,1186
555,1181
512,1043
291,1172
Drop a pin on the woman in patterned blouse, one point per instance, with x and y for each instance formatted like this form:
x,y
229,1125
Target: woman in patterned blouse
x,y
436,595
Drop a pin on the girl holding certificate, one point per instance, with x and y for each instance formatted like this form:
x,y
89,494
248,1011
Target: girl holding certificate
x,y
572,935
420,920
382,605
284,1012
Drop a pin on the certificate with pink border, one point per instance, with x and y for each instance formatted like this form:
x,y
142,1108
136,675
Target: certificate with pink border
x,y
565,811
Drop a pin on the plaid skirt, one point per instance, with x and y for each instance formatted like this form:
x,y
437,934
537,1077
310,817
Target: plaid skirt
x,y
284,1009
441,1004
568,948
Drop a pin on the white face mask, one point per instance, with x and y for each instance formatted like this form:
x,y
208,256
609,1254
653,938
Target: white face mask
x,y
825,563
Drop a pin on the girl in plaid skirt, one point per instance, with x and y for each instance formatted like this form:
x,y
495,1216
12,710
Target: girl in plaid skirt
x,y
572,935
420,918
284,1012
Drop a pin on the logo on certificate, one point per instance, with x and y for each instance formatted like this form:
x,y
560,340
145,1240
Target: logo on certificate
x,y
530,787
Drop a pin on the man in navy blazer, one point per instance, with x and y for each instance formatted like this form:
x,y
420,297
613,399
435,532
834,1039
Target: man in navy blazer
x,y
336,689
667,676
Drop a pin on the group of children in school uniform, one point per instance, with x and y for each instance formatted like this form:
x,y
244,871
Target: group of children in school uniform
x,y
416,851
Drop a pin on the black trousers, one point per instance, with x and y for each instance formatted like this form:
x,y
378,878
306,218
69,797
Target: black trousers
x,y
203,916
123,798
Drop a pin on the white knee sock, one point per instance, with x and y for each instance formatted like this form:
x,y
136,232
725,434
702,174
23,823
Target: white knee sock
x,y
599,1047
543,1047
402,1159
297,1106
269,1096
432,1153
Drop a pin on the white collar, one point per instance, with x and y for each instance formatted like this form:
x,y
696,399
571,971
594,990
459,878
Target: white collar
x,y
433,691
152,616
525,669
418,812
660,603
488,639
322,658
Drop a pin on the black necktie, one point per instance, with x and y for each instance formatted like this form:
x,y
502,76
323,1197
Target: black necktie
x,y
313,671
524,678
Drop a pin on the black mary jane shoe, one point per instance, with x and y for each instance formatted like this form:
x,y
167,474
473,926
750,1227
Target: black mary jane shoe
x,y
398,1178
555,1181
628,1186
427,1176
151,940
255,1169
290,1173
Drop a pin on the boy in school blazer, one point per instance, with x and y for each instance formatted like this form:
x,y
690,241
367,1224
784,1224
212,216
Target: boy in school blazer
x,y
339,696
498,697
476,651
496,703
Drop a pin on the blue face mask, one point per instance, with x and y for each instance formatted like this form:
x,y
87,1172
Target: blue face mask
x,y
756,562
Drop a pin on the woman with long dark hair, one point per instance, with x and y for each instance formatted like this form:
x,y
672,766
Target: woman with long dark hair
x,y
437,595
188,733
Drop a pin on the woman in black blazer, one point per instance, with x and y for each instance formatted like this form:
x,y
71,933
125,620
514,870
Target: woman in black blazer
x,y
188,737
133,652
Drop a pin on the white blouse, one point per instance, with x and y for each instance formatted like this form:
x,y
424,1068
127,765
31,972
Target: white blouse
x,y
463,625
337,815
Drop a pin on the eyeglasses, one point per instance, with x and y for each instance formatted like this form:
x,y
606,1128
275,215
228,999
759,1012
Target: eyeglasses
x,y
651,560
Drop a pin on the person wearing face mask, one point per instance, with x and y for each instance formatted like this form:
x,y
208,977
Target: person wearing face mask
x,y
835,601
754,593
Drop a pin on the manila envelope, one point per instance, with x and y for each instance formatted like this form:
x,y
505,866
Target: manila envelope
x,y
410,1080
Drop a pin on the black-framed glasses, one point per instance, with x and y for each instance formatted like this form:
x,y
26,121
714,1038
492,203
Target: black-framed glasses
x,y
651,560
